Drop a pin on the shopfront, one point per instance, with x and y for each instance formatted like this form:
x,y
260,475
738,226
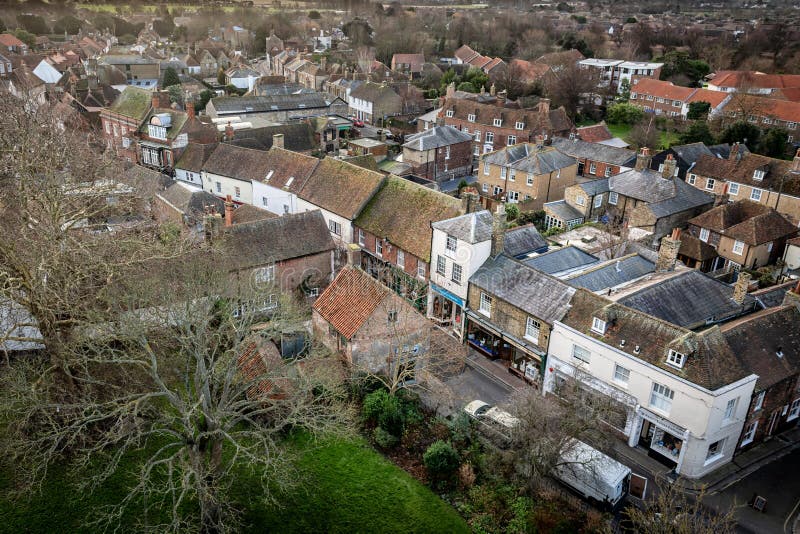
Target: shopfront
x,y
446,310
664,440
491,342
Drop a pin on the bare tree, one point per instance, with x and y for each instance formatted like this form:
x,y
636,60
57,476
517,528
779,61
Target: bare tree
x,y
570,86
196,385
644,133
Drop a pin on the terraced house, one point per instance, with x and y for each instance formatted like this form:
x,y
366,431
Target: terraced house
x,y
122,120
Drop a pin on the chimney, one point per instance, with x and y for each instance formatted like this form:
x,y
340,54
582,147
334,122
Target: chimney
x,y
493,90
741,286
643,159
277,140
469,200
735,151
498,230
160,99
211,226
353,255
792,297
228,132
228,211
669,167
544,106
668,251
190,110
796,162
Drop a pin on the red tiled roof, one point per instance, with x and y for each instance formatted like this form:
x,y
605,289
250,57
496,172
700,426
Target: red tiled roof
x,y
350,300
595,133
760,106
715,98
8,40
528,71
661,89
754,79
465,53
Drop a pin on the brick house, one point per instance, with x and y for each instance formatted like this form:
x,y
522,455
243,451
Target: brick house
x,y
495,127
371,326
292,254
408,64
666,98
744,234
527,173
769,347
752,82
122,120
595,159
440,153
394,233
185,206
166,132
764,112
769,181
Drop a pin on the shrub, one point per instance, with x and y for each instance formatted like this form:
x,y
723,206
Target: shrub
x,y
624,114
512,212
384,439
441,459
385,410
314,14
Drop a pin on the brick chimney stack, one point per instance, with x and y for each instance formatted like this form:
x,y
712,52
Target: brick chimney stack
x,y
160,99
669,167
544,106
643,159
469,200
668,251
498,230
277,140
190,110
736,151
741,286
796,162
228,132
228,211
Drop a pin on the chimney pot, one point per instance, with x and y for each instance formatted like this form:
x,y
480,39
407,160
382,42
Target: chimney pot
x,y
229,131
190,110
277,140
669,167
741,286
228,211
643,159
668,252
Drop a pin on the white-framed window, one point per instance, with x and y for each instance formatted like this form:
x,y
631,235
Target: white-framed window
x,y
490,137
580,200
675,358
456,273
691,179
598,200
749,433
613,198
715,451
661,397
476,151
421,268
519,125
755,194
451,243
513,196
237,192
621,374
710,183
791,125
478,135
598,325
447,152
580,353
378,247
401,259
532,329
649,97
264,275
361,237
607,172
219,187
733,189
449,113
592,168
512,140
738,247
441,265
730,409
503,172
108,127
759,401
794,410
512,175
471,117
485,188
497,122
485,169
529,179
497,190
704,234
758,175
335,227
485,305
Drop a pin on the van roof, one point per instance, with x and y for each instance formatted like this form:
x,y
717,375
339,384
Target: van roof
x,y
606,467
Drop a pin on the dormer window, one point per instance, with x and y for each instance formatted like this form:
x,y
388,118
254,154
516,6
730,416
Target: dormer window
x,y
157,128
598,325
758,175
498,122
675,358
471,117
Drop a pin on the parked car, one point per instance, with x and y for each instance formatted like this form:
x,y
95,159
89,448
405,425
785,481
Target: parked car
x,y
484,411
358,123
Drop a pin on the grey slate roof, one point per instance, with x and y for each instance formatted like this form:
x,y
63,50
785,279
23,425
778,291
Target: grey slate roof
x,y
527,158
263,104
472,228
523,240
686,197
593,187
595,151
772,297
691,152
563,211
277,239
646,185
690,300
561,260
436,137
534,292
613,273
191,201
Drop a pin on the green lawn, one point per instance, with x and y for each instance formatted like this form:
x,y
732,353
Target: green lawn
x,y
346,487
619,130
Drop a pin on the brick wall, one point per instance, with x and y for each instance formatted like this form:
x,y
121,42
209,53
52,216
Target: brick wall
x,y
507,317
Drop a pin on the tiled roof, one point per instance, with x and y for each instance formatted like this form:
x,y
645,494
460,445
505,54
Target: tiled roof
x,y
771,297
555,120
276,239
436,137
659,88
613,273
692,247
753,79
236,162
526,157
465,53
741,170
527,71
288,170
350,300
594,133
562,210
715,98
534,292
133,102
231,105
578,148
686,198
374,92
758,338
341,188
8,40
403,211
691,300
523,240
191,201
594,187
247,214
746,221
561,260
415,60
474,227
760,106
195,156
297,136
710,363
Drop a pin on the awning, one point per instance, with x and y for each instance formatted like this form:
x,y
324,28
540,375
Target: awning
x,y
447,294
477,319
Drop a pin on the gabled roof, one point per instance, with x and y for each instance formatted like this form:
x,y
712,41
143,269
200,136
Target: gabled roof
x,y
746,221
578,148
472,228
297,136
236,162
247,213
561,260
230,105
403,211
374,92
527,157
692,247
541,295
594,133
595,187
133,103
350,300
613,273
662,89
555,120
276,239
527,71
341,188
195,156
288,170
8,40
741,170
760,106
743,79
691,300
465,54
523,240
191,201
436,137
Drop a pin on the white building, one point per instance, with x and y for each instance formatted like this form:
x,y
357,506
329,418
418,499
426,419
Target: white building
x,y
678,393
614,71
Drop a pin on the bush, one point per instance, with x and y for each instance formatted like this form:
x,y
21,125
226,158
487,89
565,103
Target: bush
x,y
314,14
512,212
384,439
385,410
441,459
624,114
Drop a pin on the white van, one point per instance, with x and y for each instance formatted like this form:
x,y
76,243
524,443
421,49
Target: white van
x,y
595,476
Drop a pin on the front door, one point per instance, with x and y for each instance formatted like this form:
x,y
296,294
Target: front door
x,y
646,435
